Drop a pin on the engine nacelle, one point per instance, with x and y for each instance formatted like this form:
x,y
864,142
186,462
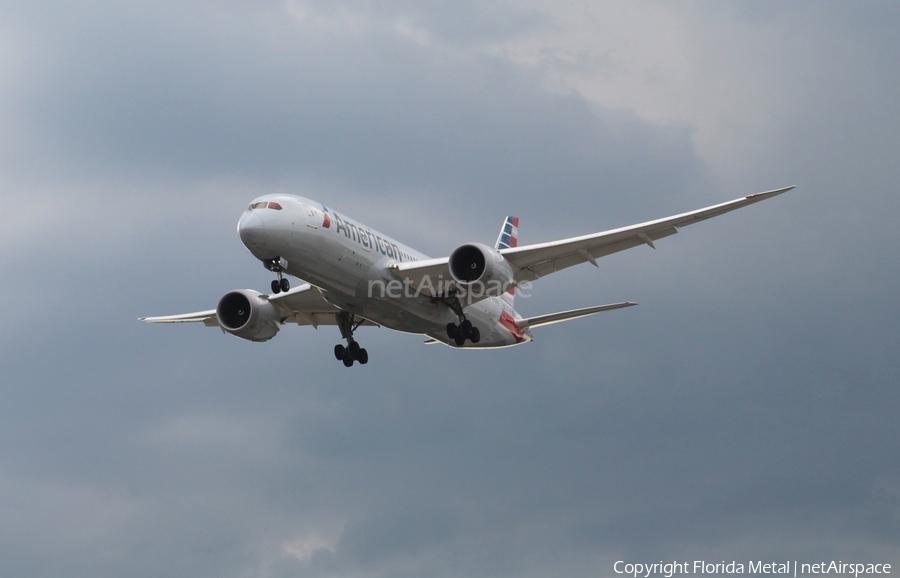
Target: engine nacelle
x,y
245,314
481,270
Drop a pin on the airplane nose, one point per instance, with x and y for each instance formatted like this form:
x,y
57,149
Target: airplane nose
x,y
251,229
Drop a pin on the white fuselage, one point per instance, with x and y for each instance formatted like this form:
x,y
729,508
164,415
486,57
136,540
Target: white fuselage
x,y
350,263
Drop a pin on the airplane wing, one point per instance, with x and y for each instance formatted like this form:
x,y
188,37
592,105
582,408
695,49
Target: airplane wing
x,y
303,305
207,317
535,261
531,262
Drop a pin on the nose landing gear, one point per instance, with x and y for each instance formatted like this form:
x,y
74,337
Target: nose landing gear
x,y
280,284
353,352
277,267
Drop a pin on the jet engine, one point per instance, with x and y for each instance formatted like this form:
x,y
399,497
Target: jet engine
x,y
481,270
246,314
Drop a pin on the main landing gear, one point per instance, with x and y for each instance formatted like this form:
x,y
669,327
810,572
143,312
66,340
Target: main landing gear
x,y
280,284
465,330
353,352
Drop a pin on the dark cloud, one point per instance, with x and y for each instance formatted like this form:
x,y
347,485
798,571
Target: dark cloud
x,y
275,99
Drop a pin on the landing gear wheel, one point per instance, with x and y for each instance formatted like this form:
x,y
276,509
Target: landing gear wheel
x,y
460,333
276,266
348,323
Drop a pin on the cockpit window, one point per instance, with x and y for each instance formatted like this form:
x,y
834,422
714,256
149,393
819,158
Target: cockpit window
x,y
264,204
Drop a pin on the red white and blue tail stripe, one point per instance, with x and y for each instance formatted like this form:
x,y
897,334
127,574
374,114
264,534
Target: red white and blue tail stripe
x,y
509,237
509,234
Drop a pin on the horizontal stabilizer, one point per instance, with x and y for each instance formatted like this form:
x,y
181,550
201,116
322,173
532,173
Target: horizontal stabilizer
x,y
551,318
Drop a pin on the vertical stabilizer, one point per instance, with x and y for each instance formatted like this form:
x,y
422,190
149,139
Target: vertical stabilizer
x,y
509,237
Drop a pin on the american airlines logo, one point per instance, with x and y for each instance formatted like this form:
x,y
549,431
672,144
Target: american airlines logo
x,y
365,237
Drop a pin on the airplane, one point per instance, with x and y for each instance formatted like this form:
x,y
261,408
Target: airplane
x,y
355,277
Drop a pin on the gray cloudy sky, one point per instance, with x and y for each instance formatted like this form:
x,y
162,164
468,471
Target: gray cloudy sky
x,y
746,410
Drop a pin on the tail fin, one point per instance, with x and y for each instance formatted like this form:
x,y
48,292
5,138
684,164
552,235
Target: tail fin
x,y
509,237
509,234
